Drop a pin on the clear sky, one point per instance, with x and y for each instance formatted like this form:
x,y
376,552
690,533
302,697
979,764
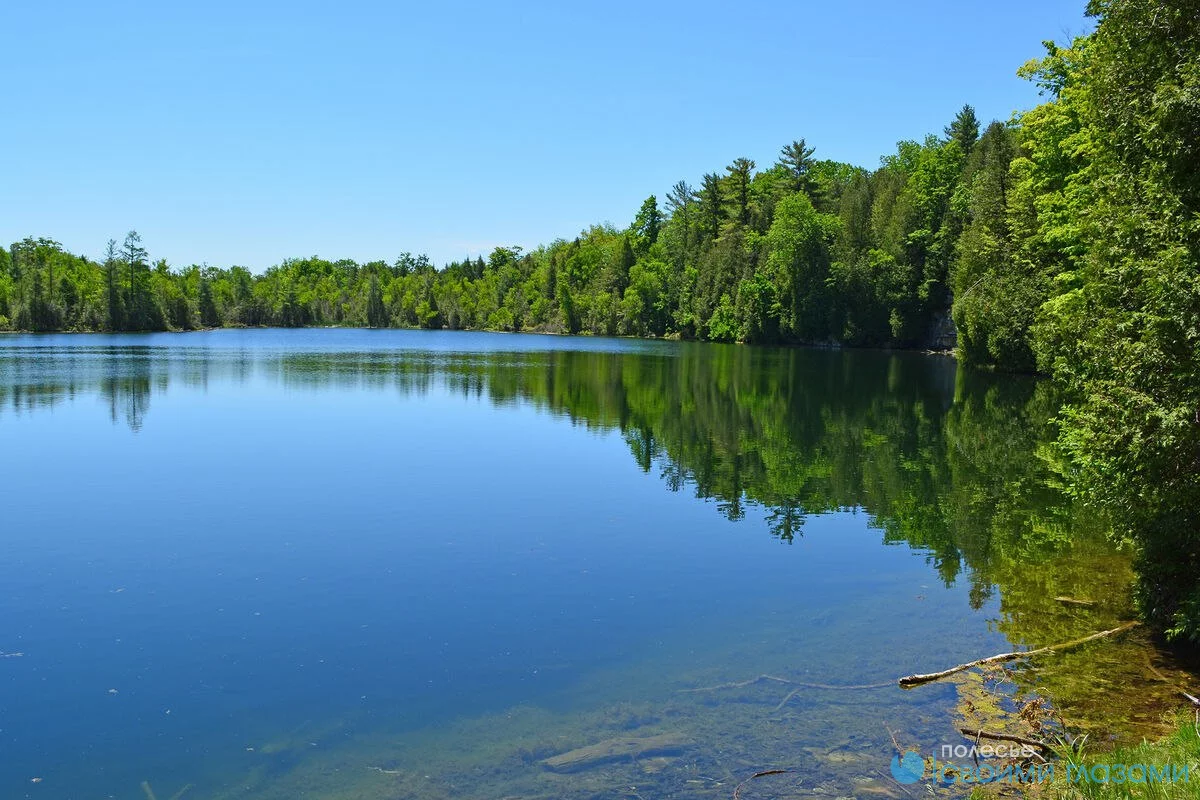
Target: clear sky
x,y
249,132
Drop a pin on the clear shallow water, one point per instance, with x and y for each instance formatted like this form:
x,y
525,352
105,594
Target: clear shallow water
x,y
336,563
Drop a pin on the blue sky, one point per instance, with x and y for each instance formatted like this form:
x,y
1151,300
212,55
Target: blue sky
x,y
246,133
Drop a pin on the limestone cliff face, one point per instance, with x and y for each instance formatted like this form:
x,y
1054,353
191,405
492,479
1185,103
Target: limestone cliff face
x,y
942,334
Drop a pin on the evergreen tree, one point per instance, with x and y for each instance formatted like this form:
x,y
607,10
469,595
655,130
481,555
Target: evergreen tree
x,y
680,198
996,294
740,173
797,161
712,212
964,129
115,306
136,259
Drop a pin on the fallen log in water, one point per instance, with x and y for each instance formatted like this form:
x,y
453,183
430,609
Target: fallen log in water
x,y
737,790
917,680
615,749
1191,697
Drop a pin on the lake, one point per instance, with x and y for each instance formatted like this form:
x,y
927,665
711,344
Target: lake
x,y
384,564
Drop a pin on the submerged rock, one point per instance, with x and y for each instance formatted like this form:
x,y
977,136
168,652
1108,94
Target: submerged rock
x,y
621,747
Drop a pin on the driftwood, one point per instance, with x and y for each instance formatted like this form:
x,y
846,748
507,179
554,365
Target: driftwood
x,y
917,680
978,734
615,749
737,790
1072,601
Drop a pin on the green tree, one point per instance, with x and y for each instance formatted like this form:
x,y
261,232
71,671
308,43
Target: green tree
x,y
1123,335
740,174
115,300
712,206
377,316
997,294
800,243
646,226
964,129
797,160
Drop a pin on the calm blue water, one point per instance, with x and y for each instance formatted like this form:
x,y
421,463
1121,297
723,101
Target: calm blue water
x,y
239,559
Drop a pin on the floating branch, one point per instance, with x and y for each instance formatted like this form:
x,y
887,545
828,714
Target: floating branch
x,y
917,680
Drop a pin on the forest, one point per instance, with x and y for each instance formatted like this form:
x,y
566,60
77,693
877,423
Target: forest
x,y
1065,241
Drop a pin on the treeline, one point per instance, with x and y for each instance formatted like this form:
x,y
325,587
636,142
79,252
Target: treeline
x,y
1066,241
802,251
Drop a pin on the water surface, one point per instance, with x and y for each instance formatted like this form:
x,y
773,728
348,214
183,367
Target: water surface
x,y
382,564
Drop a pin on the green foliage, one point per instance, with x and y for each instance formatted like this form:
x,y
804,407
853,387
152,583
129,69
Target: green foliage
x,y
1070,244
1118,232
964,130
798,267
796,160
723,324
377,315
996,294
1174,752
647,225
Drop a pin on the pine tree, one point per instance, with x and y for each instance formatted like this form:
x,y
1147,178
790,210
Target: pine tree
x,y
738,179
964,129
680,198
797,159
136,299
115,305
711,211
